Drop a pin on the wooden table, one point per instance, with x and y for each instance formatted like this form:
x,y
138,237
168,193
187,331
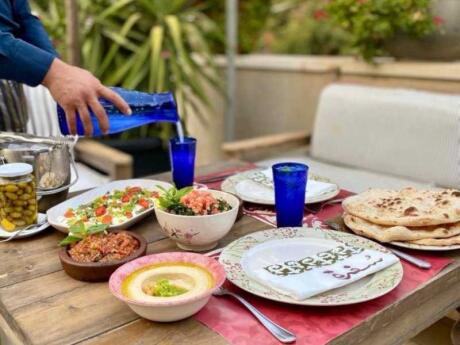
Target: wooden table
x,y
40,304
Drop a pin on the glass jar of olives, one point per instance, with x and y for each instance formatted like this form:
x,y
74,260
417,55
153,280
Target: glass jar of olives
x,y
18,200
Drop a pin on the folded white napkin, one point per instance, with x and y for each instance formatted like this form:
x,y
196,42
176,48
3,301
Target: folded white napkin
x,y
300,277
259,185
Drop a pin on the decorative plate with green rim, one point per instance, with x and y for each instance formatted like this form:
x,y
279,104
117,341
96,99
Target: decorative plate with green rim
x,y
229,185
365,289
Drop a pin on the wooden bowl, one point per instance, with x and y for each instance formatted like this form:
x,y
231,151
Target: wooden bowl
x,y
99,271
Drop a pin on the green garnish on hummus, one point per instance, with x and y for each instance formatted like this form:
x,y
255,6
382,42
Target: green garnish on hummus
x,y
163,288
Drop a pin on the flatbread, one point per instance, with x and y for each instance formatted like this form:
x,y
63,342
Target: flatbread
x,y
438,241
406,207
390,233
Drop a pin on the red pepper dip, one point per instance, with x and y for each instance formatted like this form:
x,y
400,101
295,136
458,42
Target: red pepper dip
x,y
103,247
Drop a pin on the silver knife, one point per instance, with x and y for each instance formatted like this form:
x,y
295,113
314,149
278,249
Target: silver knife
x,y
409,258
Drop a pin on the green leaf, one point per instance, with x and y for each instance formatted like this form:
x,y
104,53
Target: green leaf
x,y
69,240
94,229
77,228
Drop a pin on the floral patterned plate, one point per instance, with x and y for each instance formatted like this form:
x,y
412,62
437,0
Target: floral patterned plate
x,y
229,186
365,289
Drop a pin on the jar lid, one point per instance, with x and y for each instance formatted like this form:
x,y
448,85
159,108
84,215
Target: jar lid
x,y
15,169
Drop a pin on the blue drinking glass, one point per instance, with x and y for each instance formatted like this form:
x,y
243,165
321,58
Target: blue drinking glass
x,y
182,156
290,181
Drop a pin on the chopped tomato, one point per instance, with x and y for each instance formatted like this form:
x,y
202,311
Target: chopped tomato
x,y
69,213
100,211
144,203
107,219
129,214
134,190
126,198
105,197
155,194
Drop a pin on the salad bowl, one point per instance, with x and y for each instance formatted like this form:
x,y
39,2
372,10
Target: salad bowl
x,y
199,232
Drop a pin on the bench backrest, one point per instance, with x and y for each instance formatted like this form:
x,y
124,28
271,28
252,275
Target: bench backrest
x,y
402,132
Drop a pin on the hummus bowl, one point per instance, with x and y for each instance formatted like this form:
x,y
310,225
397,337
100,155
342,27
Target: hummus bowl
x,y
199,232
167,287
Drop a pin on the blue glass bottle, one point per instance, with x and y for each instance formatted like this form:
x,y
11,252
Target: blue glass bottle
x,y
146,108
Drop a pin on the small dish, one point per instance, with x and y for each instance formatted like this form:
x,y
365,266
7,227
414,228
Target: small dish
x,y
200,232
167,309
99,271
41,219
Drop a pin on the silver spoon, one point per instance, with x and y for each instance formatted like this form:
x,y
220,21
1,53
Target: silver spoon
x,y
283,335
16,234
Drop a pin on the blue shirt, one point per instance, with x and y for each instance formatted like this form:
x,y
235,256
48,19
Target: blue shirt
x,y
26,52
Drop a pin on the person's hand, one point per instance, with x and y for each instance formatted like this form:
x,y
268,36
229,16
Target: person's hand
x,y
76,89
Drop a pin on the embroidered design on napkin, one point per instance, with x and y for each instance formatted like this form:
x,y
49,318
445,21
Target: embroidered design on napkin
x,y
321,259
261,178
353,270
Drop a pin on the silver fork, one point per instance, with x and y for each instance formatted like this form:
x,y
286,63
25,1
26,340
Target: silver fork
x,y
16,234
280,333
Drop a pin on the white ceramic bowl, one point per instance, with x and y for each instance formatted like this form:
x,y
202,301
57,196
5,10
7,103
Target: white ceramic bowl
x,y
174,310
199,233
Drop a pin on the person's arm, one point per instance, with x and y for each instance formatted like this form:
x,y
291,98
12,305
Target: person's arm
x,y
32,30
22,61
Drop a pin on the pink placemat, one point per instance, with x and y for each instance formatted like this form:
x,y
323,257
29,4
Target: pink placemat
x,y
312,325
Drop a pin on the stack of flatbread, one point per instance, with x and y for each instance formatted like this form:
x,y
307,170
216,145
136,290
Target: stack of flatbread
x,y
423,217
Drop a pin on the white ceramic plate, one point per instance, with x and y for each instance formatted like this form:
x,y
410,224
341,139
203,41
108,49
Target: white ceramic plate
x,y
29,232
315,240
428,248
54,214
229,185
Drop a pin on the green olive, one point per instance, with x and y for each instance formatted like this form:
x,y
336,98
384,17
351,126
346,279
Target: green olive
x,y
16,214
18,222
11,196
11,188
28,212
19,202
25,196
18,209
28,189
8,209
31,207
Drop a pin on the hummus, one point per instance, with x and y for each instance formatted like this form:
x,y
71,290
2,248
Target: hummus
x,y
166,281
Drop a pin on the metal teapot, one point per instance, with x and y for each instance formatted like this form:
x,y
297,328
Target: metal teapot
x,y
51,157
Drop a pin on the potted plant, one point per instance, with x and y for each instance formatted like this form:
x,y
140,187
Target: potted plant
x,y
378,27
148,46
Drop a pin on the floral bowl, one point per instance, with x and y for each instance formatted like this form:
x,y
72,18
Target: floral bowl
x,y
199,233
168,309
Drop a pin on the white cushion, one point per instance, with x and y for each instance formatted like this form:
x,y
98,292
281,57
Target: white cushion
x,y
352,179
391,131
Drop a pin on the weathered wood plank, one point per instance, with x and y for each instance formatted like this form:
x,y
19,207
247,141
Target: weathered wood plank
x,y
189,332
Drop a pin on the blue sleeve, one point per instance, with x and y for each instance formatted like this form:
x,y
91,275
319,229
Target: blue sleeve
x,y
22,61
32,30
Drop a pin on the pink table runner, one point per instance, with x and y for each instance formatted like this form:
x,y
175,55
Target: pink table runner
x,y
312,325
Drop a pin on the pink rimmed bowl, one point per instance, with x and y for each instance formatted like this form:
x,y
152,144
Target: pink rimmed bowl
x,y
199,233
176,309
